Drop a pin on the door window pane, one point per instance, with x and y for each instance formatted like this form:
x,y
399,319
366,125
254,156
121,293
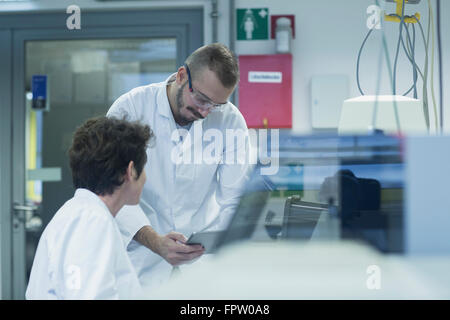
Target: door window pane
x,y
84,78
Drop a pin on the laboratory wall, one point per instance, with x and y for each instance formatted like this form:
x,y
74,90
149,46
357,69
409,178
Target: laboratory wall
x,y
328,36
328,33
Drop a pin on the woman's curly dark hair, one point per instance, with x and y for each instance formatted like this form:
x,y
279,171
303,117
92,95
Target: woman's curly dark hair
x,y
101,150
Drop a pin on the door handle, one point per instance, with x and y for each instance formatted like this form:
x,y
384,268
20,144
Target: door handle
x,y
20,207
25,214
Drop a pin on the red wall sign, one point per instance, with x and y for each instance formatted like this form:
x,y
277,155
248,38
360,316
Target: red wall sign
x,y
265,90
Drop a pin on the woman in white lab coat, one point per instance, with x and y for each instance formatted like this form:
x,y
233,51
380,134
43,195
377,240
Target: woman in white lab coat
x,y
81,254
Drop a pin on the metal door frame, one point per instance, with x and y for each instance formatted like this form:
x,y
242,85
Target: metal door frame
x,y
186,25
5,162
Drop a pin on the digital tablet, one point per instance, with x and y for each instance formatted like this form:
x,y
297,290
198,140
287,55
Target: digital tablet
x,y
208,239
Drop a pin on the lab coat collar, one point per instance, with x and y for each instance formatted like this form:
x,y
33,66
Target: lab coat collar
x,y
163,105
90,196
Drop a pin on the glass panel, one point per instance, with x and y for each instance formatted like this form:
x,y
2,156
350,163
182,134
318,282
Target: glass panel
x,y
326,188
84,77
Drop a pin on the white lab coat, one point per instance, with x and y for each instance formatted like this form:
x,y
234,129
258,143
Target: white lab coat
x,y
183,197
81,255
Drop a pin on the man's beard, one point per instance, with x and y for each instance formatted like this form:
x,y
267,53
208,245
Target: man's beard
x,y
180,105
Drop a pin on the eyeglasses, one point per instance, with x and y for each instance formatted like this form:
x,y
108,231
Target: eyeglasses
x,y
199,98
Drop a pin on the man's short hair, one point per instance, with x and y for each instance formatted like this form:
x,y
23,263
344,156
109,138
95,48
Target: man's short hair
x,y
102,149
217,58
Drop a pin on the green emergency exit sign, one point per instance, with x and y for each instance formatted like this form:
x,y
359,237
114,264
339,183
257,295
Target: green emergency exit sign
x,y
252,24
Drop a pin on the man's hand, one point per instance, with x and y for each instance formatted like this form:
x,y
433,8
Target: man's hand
x,y
171,246
173,249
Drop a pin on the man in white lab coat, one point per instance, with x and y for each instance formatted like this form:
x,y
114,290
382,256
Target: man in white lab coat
x,y
197,168
81,254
